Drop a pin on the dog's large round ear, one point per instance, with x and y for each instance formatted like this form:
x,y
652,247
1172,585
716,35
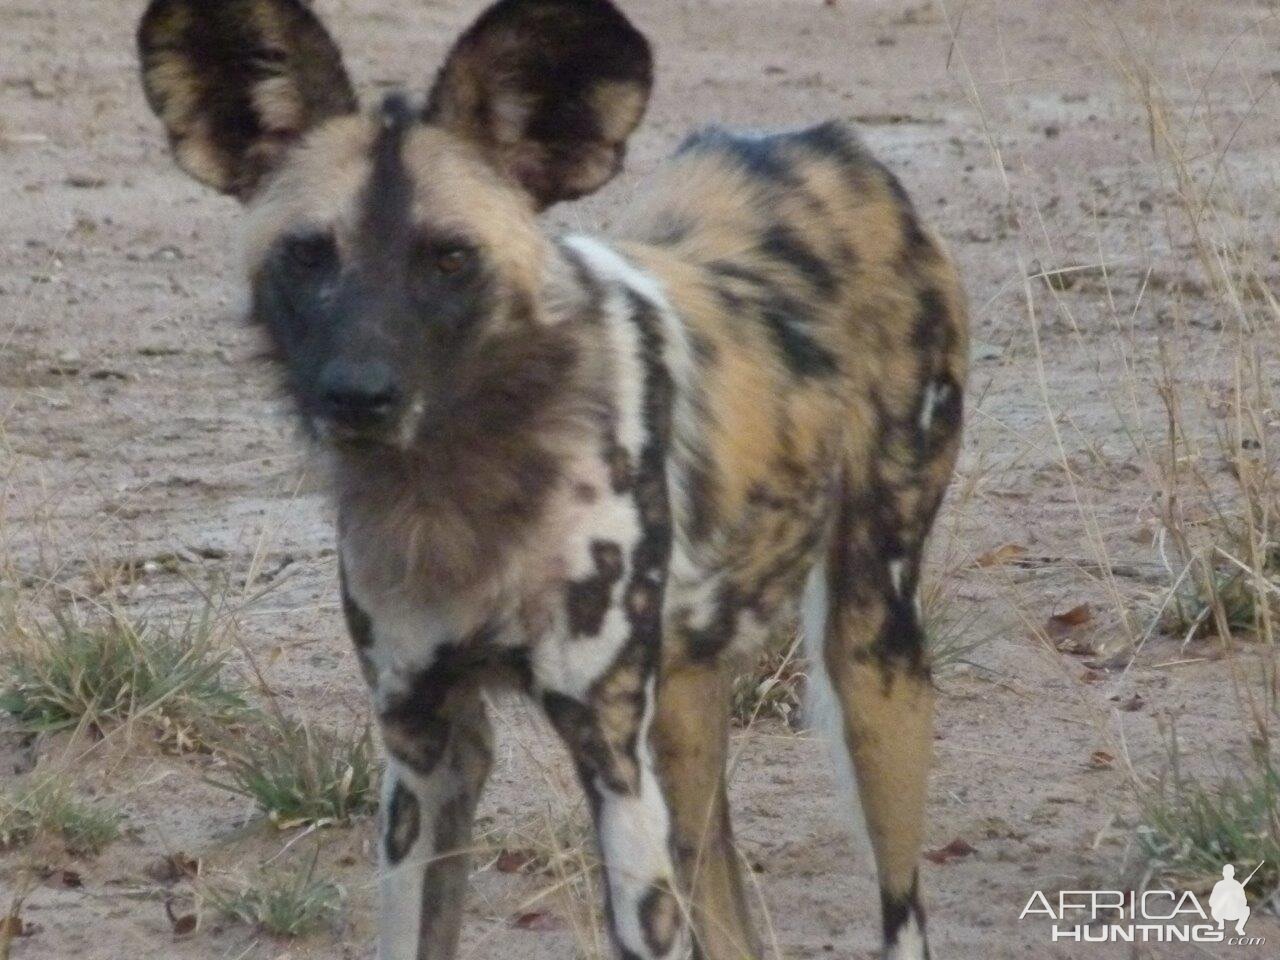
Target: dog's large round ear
x,y
237,82
549,90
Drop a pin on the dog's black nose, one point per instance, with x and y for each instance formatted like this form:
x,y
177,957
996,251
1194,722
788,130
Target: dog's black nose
x,y
358,393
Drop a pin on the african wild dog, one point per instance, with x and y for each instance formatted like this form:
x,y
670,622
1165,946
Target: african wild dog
x,y
595,472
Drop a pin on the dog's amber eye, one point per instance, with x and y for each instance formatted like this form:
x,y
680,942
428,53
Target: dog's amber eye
x,y
453,261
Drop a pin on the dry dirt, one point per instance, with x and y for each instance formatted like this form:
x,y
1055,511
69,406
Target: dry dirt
x,y
136,425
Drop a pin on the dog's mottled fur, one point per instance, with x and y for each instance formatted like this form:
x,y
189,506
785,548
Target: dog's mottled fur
x,y
596,472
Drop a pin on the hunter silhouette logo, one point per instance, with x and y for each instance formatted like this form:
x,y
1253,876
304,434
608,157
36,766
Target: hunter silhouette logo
x,y
1228,900
1152,916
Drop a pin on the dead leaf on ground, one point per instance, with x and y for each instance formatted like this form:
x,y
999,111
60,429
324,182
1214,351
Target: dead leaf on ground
x,y
1006,553
1075,617
1063,630
957,848
182,924
513,861
536,920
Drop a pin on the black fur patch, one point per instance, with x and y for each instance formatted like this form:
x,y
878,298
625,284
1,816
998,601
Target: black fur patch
x,y
911,230
359,624
735,271
783,315
415,737
700,486
587,601
786,319
415,724
859,578
403,824
901,635
579,727
706,644
897,909
932,322
785,245
621,470
704,351
384,218
933,336
834,141
734,304
760,156
948,406
652,551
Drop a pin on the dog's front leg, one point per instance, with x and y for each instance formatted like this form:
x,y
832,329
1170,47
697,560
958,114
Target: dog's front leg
x,y
440,749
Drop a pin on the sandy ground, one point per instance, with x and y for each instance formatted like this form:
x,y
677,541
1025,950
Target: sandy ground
x,y
135,426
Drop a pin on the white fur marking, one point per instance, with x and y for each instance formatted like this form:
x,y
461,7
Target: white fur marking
x,y
613,520
573,666
406,635
608,266
411,420
896,569
633,840
825,714
910,944
400,886
935,394
698,596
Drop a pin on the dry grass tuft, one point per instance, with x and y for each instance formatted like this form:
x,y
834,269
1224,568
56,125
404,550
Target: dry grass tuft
x,y
952,635
281,903
74,673
300,775
46,806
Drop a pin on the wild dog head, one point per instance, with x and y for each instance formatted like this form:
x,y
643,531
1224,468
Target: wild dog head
x,y
394,256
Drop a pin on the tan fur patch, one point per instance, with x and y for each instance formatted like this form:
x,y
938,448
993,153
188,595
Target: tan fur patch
x,y
318,188
690,737
850,223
